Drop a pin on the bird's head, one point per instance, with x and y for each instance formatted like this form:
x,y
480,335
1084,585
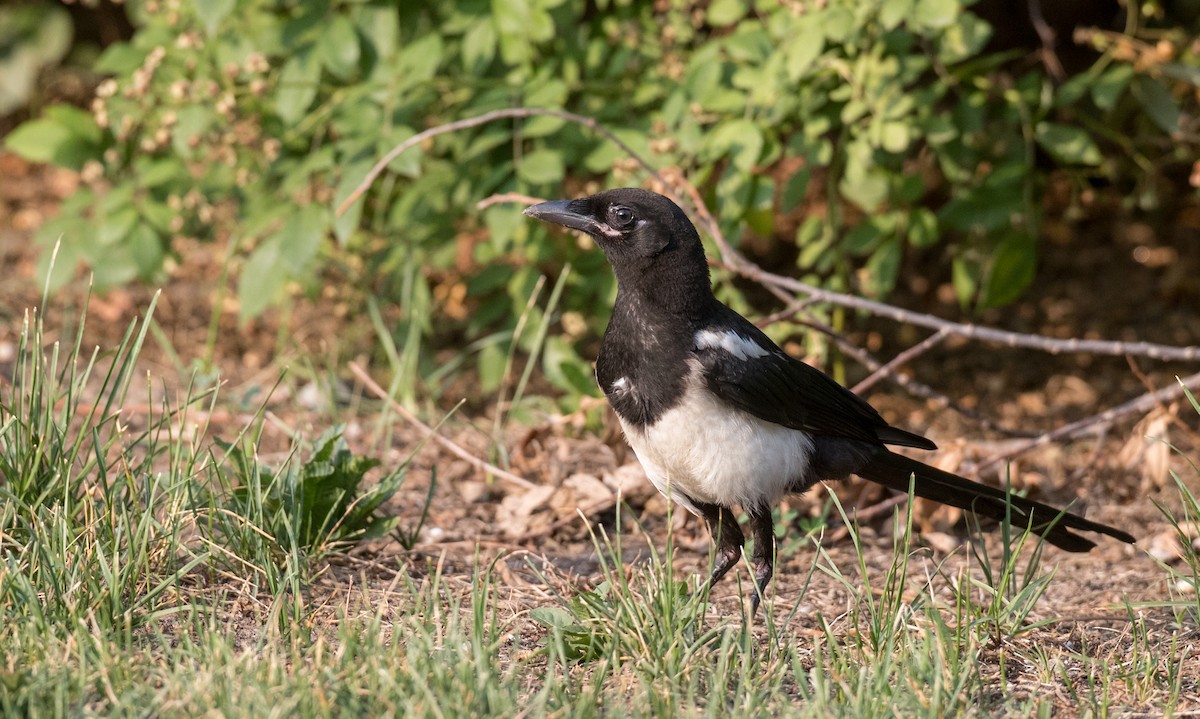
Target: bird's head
x,y
628,224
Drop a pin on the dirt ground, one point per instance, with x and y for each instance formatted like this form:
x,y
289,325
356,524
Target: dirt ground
x,y
1115,278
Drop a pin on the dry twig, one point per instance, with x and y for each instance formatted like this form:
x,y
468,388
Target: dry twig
x,y
430,433
506,114
1144,403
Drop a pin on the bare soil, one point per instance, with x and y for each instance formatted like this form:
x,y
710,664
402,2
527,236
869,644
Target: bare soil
x,y
1114,278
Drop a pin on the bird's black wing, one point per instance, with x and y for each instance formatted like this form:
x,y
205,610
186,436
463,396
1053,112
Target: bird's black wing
x,y
758,377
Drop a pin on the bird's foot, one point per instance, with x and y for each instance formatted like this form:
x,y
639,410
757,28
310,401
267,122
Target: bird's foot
x,y
763,571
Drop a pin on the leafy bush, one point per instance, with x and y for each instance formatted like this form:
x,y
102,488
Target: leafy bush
x,y
306,506
883,125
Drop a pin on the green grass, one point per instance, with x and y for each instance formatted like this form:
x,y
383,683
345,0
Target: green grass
x,y
146,570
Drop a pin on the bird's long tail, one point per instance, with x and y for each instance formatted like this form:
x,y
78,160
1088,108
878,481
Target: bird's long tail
x,y
893,471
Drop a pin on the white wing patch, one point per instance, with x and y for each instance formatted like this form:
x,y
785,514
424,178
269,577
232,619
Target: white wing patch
x,y
741,347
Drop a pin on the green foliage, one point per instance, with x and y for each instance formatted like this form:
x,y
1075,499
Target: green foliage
x,y
1185,579
314,503
32,36
884,123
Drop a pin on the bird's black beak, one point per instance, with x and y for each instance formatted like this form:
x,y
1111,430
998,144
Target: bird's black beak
x,y
560,212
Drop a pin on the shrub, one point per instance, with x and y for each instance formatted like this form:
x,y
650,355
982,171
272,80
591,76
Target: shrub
x,y
249,121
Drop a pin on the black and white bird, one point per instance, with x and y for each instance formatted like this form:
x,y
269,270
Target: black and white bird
x,y
721,417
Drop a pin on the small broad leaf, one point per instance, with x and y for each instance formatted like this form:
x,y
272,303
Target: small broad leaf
x,y
146,246
352,176
1157,101
1068,145
553,617
339,47
262,279
491,362
741,139
479,45
922,227
212,12
297,86
936,14
883,268
65,136
541,166
964,276
725,12
1010,271
865,183
301,237
1107,88
963,39
893,12
803,50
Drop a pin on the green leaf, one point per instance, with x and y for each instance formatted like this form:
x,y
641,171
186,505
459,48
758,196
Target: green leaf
x,y
725,12
300,239
742,140
552,617
541,166
863,238
936,14
865,183
65,136
193,122
352,176
116,267
795,189
922,227
760,212
1010,270
339,47
146,247
883,268
965,278
1067,144
491,362
212,12
893,12
1107,88
381,28
262,279
964,39
479,45
1157,102
407,163
298,83
115,227
119,59
895,136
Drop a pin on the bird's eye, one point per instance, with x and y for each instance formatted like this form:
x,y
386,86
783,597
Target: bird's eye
x,y
620,216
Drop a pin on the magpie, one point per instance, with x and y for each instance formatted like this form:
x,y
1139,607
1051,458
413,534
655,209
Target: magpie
x,y
720,416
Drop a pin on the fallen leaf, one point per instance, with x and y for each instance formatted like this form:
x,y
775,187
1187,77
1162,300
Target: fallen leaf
x,y
516,510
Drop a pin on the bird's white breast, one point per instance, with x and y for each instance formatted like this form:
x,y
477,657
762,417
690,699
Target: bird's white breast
x,y
706,450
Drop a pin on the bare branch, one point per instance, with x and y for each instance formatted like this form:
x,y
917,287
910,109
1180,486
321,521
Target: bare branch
x,y
912,386
1140,404
465,124
1005,338
506,197
901,359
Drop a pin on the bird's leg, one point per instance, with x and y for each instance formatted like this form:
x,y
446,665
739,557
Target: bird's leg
x,y
763,557
727,535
